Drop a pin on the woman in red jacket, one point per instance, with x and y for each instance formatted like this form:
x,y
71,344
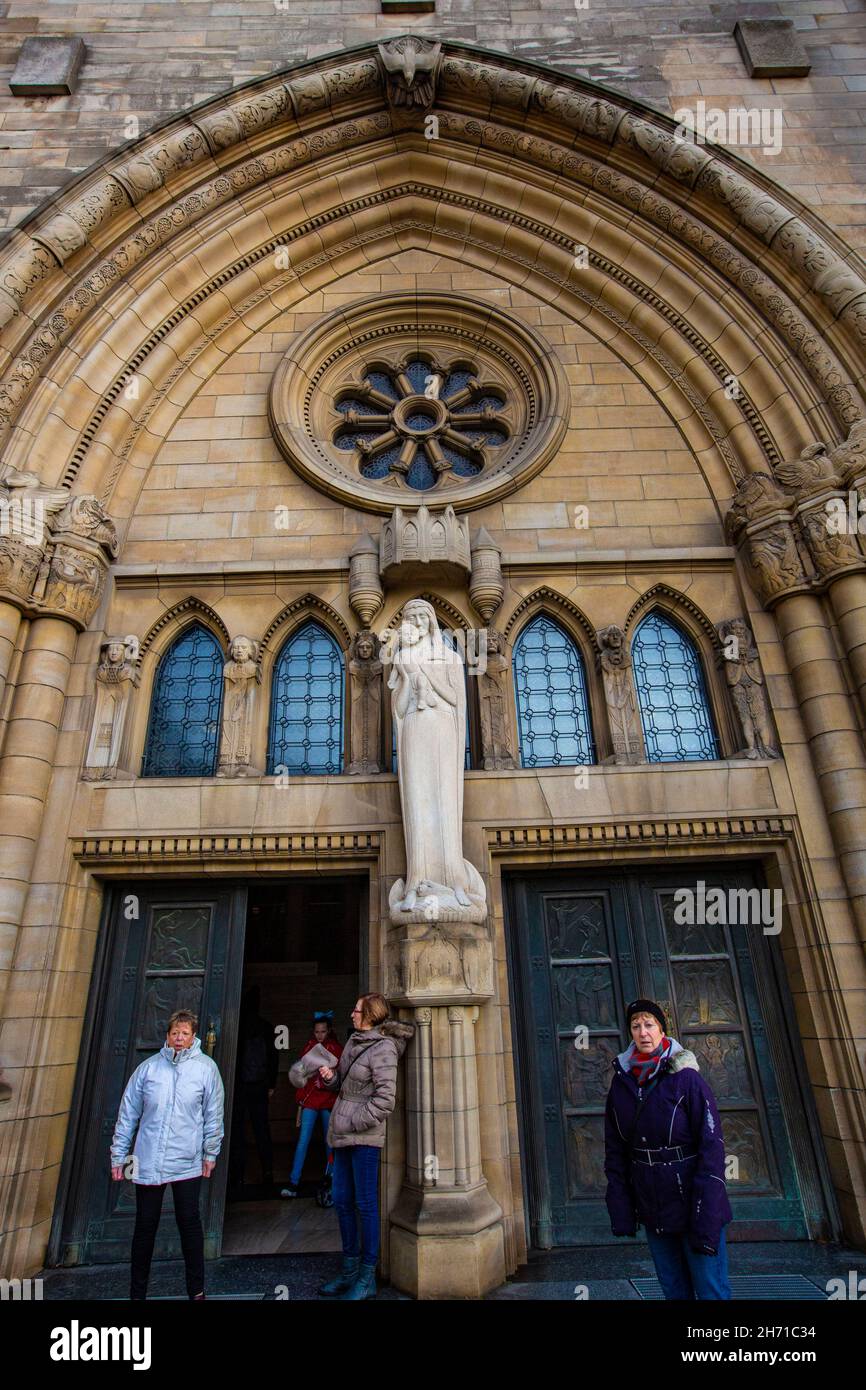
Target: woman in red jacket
x,y
315,1099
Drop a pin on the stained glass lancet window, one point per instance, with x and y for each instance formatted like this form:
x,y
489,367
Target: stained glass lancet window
x,y
553,718
306,731
183,732
672,697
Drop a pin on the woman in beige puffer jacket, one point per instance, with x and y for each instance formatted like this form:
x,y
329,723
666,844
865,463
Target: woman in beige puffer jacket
x,y
366,1078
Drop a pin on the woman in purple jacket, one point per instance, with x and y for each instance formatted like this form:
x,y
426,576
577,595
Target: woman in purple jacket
x,y
665,1159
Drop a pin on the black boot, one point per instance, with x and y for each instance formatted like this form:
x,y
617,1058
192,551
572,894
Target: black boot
x,y
345,1280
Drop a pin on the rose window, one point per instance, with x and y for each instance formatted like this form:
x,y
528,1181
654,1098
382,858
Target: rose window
x,y
410,398
421,420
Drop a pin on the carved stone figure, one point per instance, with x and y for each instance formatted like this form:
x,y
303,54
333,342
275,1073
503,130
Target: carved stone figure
x,y
439,962
623,716
27,510
241,677
813,469
756,495
849,459
85,516
117,676
830,550
493,685
746,683
365,673
775,559
411,65
428,704
74,582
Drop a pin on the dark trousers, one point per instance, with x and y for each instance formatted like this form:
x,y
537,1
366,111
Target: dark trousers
x,y
148,1205
251,1097
356,1184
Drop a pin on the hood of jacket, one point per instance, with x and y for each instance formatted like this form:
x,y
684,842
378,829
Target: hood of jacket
x,y
182,1054
393,1028
680,1057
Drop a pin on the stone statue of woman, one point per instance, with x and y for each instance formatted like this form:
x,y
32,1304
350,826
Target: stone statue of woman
x,y
428,703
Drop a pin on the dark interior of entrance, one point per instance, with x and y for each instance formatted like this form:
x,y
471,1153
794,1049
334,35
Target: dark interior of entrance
x,y
302,955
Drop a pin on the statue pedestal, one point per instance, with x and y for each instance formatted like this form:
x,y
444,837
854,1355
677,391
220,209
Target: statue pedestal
x,y
446,1236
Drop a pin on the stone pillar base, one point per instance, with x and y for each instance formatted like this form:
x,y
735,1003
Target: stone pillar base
x,y
447,1266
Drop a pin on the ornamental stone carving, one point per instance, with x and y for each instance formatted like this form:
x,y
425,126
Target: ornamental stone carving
x,y
745,679
424,543
494,686
117,675
759,520
27,512
486,587
832,551
411,67
366,593
365,675
439,963
428,705
614,660
241,678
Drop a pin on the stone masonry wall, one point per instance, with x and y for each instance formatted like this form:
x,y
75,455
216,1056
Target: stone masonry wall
x,y
149,61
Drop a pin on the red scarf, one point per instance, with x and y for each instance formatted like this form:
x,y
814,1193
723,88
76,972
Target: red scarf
x,y
644,1065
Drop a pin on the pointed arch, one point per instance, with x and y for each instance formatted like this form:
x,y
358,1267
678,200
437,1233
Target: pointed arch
x,y
179,615
67,270
307,606
545,597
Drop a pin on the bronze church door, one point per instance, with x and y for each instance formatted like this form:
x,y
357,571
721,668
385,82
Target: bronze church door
x,y
163,946
581,947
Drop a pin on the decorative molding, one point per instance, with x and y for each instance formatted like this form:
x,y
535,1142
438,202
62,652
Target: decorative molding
x,y
640,833
191,606
306,603
675,600
545,597
143,850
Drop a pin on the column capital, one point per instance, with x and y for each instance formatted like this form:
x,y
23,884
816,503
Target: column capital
x,y
55,549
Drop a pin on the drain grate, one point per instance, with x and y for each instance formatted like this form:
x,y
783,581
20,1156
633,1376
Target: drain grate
x,y
756,1286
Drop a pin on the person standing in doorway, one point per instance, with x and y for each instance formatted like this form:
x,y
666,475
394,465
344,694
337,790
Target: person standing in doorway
x,y
314,1100
173,1104
255,1082
366,1078
665,1159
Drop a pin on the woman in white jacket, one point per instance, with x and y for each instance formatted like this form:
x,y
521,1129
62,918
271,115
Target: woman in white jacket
x,y
174,1100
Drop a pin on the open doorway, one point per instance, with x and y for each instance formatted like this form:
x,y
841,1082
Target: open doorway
x,y
304,953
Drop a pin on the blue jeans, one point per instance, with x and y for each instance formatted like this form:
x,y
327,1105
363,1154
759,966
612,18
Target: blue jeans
x,y
308,1124
356,1184
683,1274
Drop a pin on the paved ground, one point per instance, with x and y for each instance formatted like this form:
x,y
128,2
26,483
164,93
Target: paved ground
x,y
772,1270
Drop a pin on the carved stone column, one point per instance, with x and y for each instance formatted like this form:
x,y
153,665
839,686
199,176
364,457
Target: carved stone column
x,y
765,533
820,498
446,1229
66,588
10,624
